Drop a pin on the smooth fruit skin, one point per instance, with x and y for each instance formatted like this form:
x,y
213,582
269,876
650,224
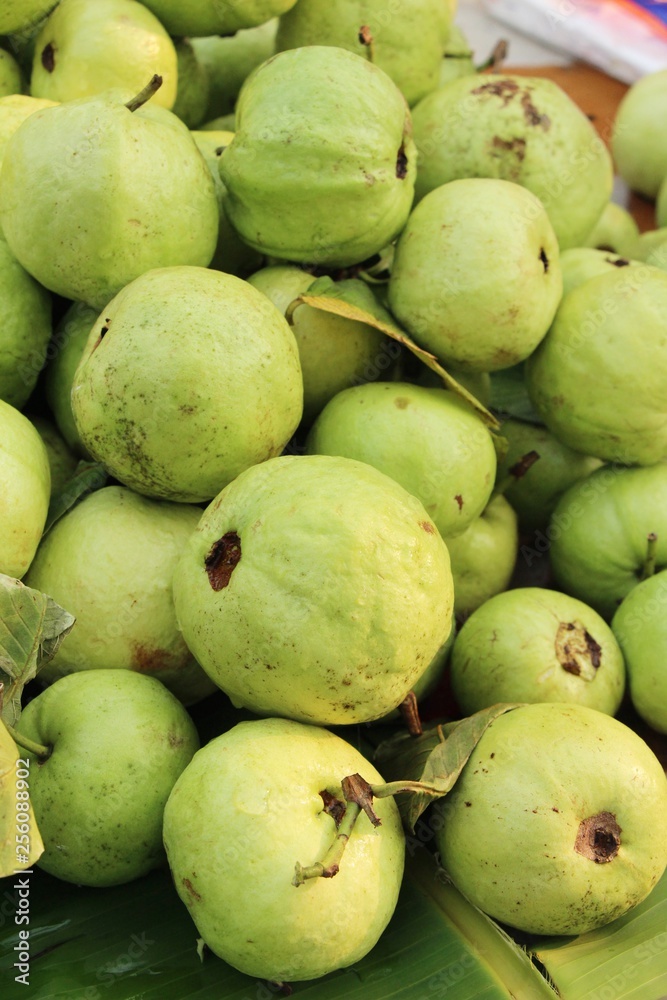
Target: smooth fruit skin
x,y
242,814
119,193
639,144
640,626
476,278
514,816
120,741
615,230
315,588
661,205
16,15
308,183
62,462
10,75
521,129
534,645
14,109
64,353
25,489
227,62
599,384
25,329
198,18
599,532
229,393
84,49
580,264
483,557
110,562
453,469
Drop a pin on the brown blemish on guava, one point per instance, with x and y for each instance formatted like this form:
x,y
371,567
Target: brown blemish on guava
x,y
620,262
401,402
459,500
516,146
577,651
175,740
428,528
147,660
191,889
504,89
468,803
365,35
333,806
532,115
544,259
401,163
49,57
222,559
598,838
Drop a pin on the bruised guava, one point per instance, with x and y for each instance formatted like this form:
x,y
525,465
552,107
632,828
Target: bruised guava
x,y
316,588
556,823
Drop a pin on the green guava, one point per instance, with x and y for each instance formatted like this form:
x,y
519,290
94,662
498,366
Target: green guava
x,y
580,264
25,489
652,243
615,230
555,824
14,109
599,533
599,385
11,81
408,47
536,492
661,205
62,462
458,59
476,278
229,392
483,557
25,329
428,440
639,143
521,129
16,15
229,60
118,191
86,48
322,165
192,93
531,644
251,804
64,354
198,18
640,626
118,743
282,284
315,588
110,561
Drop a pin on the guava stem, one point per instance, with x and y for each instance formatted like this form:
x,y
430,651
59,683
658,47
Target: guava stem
x,y
515,472
651,555
38,749
409,709
366,39
497,57
144,95
395,787
330,863
292,307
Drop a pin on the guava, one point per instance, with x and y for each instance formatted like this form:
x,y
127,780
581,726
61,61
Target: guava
x,y
86,48
64,354
322,165
521,129
229,60
192,93
640,626
661,205
408,47
615,230
25,329
16,15
599,534
11,81
251,804
14,109
556,823
110,562
315,588
335,352
198,18
652,243
476,278
25,489
119,191
536,492
580,264
477,383
117,742
458,59
483,556
599,386
428,440
62,462
531,644
639,143
229,392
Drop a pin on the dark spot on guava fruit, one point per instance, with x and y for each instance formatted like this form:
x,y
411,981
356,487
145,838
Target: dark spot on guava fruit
x,y
619,262
333,806
516,146
459,500
49,57
365,35
428,528
532,115
577,651
191,889
544,259
401,402
468,803
175,740
492,755
401,163
504,89
147,660
598,838
554,809
222,559
520,468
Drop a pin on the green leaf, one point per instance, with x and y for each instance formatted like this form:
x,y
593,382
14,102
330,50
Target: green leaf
x,y
32,626
88,477
434,759
509,396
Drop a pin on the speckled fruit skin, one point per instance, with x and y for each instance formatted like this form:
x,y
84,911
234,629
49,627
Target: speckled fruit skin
x,y
118,191
483,557
521,129
639,144
534,645
197,18
308,183
514,816
580,264
84,49
476,278
119,742
315,588
408,47
599,385
110,562
242,814
25,488
25,329
229,393
640,626
453,469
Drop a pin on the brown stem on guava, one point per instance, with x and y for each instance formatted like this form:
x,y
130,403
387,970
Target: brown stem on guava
x,y
330,863
39,750
515,472
496,59
144,95
366,39
409,709
648,568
